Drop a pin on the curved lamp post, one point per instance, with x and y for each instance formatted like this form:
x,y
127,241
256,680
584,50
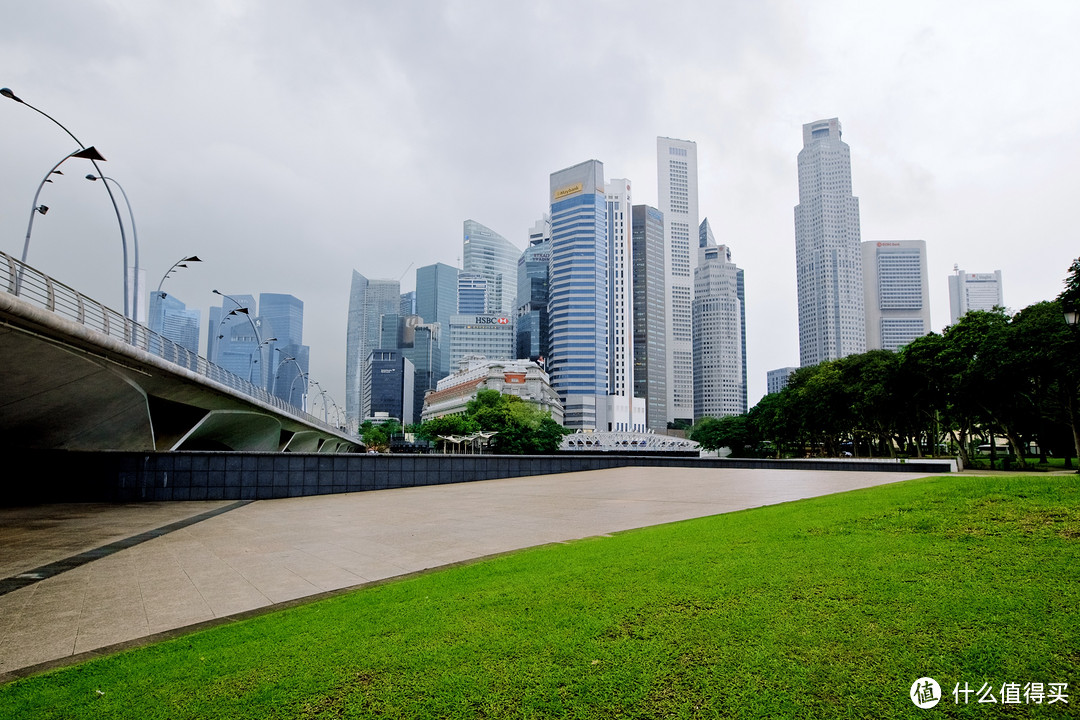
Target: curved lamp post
x,y
252,361
6,92
288,358
181,263
240,309
90,154
134,242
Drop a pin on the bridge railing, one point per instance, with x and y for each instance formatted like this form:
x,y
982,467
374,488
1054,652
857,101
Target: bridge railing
x,y
42,291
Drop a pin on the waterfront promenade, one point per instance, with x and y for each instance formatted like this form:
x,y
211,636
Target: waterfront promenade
x,y
79,580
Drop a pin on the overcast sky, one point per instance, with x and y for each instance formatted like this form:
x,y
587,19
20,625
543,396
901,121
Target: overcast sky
x,y
289,143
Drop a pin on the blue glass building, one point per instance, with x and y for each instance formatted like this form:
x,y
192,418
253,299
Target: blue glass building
x,y
577,291
171,319
532,300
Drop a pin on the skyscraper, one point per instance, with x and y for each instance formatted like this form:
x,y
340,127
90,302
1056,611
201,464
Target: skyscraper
x,y
388,381
577,292
897,293
719,388
650,336
436,302
282,318
973,291
676,166
369,300
828,255
620,289
171,319
495,258
532,287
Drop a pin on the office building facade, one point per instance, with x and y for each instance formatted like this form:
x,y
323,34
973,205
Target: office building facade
x,y
896,293
776,380
973,291
828,252
388,381
578,292
488,336
677,185
649,297
472,293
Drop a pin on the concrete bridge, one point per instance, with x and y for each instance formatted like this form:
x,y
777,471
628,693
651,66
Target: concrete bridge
x,y
79,376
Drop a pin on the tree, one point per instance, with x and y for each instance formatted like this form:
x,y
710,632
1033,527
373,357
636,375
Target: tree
x,y
1070,296
731,431
377,436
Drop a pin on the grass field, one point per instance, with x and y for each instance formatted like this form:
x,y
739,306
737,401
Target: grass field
x,y
824,608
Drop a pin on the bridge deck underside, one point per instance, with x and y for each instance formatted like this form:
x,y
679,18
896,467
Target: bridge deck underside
x,y
66,392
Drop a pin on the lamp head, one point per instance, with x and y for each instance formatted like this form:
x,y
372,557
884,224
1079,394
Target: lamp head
x,y
89,153
42,209
6,92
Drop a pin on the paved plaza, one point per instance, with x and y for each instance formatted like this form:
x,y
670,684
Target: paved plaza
x,y
79,580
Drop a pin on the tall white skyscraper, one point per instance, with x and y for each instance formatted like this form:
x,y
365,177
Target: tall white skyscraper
x,y
828,253
495,258
676,167
897,293
620,289
369,300
973,291
719,385
578,293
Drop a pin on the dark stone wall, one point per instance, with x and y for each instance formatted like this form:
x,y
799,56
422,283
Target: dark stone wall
x,y
134,477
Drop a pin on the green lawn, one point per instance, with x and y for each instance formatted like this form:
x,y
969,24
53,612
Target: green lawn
x,y
823,608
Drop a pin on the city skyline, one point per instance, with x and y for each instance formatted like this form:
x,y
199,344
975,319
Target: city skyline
x,y
239,147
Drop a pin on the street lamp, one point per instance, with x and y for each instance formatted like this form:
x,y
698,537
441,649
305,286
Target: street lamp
x,y
134,242
6,92
1072,316
288,358
181,263
90,154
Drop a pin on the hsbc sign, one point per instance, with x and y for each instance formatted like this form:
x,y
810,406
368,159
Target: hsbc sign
x,y
491,320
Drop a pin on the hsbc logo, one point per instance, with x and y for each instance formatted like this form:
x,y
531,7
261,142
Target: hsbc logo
x,y
491,320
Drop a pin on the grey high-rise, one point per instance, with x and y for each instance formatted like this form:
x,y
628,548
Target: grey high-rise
x,y
650,347
369,300
828,253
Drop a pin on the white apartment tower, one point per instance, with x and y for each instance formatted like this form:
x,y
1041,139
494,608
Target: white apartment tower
x,y
973,291
828,253
896,293
676,168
